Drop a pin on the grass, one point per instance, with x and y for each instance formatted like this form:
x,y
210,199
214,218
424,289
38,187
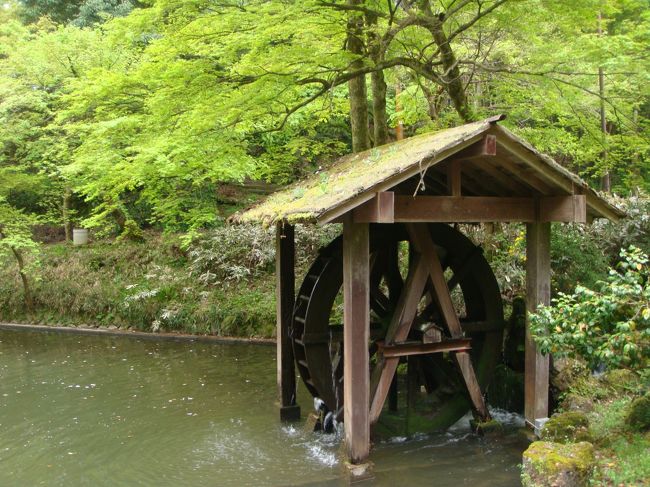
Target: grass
x,y
146,286
623,455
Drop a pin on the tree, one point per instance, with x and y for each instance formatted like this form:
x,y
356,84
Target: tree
x,y
188,95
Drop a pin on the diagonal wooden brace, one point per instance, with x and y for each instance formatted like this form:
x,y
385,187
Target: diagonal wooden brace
x,y
398,330
424,246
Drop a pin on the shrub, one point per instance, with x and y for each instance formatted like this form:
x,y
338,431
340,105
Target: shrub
x,y
232,253
235,252
610,325
634,229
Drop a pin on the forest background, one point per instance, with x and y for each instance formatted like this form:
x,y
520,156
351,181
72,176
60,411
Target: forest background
x,y
150,122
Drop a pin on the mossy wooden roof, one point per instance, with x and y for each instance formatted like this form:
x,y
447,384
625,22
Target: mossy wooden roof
x,y
356,178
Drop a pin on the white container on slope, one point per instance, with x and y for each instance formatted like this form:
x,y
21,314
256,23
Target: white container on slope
x,y
79,236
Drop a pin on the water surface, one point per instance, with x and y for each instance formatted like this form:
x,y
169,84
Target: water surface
x,y
103,410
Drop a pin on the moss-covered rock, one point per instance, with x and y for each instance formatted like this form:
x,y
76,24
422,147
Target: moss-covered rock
x,y
638,414
547,464
566,427
577,402
622,380
487,428
565,372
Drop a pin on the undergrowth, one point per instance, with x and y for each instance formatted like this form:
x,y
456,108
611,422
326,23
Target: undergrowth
x,y
223,284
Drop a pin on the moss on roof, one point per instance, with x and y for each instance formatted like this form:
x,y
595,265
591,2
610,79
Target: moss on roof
x,y
309,200
356,178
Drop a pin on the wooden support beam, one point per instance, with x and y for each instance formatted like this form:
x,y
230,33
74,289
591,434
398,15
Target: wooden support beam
x,y
454,178
285,296
563,209
398,330
356,328
421,239
463,209
458,209
538,292
377,210
405,349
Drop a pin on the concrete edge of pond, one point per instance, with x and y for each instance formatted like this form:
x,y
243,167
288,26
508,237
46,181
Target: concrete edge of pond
x,y
178,337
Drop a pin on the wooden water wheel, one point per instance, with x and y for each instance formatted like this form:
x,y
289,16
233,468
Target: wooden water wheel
x,y
317,330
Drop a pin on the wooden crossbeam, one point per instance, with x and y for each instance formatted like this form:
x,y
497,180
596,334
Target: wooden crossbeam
x,y
458,209
406,349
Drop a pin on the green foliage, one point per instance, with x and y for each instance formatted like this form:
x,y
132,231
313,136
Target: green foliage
x,y
610,325
577,257
145,115
624,451
16,236
634,229
58,10
146,286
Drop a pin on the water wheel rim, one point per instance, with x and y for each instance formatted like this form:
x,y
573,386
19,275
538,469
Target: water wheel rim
x,y
311,331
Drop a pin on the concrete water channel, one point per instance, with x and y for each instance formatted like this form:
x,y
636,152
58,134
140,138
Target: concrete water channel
x,y
80,410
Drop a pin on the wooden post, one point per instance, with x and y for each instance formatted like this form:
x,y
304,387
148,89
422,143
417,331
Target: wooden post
x,y
356,330
285,296
538,291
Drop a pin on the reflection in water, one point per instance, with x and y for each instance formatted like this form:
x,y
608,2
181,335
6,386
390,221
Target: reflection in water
x,y
97,410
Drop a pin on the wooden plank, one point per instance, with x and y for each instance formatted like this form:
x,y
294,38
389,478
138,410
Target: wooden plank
x,y
398,330
495,172
520,172
538,291
463,209
458,209
563,209
377,210
405,349
356,328
550,171
285,295
454,178
421,239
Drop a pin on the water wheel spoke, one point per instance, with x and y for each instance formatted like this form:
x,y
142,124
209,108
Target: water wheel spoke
x,y
379,302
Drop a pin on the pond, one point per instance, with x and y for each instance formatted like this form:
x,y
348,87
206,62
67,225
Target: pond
x,y
113,410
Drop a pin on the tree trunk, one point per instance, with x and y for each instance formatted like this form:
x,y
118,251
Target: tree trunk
x,y
399,128
67,223
380,118
27,291
606,184
357,86
378,84
451,76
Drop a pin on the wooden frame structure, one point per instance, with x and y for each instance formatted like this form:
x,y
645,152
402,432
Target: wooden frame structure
x,y
476,173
